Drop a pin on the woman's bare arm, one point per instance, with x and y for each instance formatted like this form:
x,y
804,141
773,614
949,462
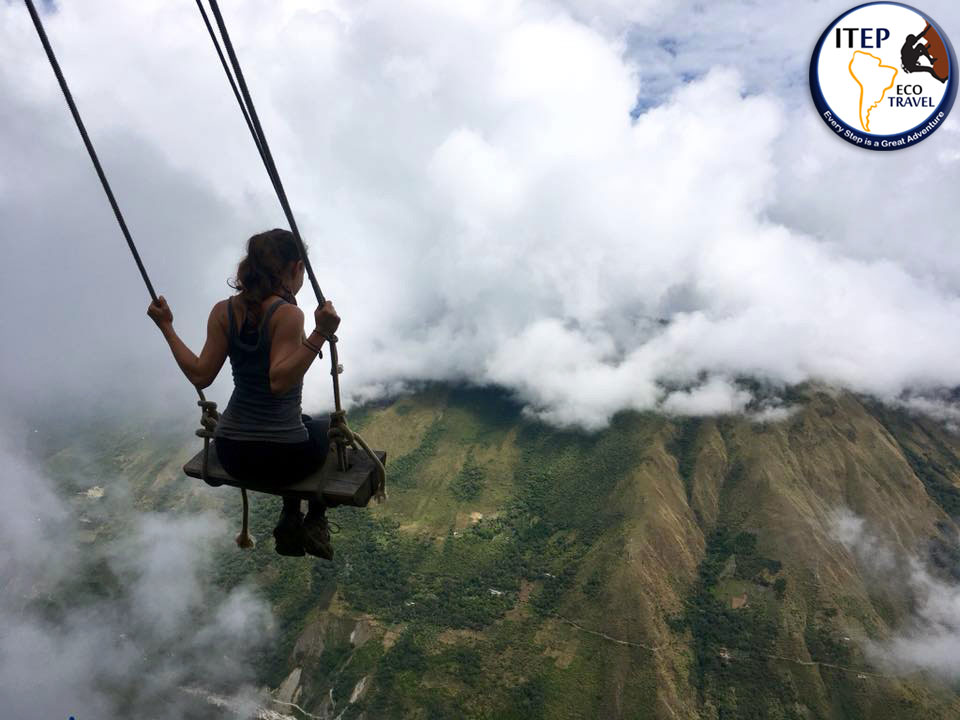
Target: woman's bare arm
x,y
290,356
203,370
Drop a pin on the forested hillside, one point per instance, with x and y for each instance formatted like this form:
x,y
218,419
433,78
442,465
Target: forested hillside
x,y
662,568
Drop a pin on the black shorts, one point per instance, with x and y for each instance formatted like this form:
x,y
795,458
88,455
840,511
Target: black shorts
x,y
276,464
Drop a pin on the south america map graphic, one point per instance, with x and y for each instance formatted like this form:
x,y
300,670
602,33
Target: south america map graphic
x,y
874,79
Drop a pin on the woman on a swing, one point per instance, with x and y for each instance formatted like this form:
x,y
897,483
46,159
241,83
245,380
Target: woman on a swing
x,y
263,435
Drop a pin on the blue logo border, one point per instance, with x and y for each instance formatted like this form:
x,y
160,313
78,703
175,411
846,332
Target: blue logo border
x,y
858,137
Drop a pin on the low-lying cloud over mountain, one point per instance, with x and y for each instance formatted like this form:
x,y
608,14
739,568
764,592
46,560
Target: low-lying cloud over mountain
x,y
120,627
930,639
591,204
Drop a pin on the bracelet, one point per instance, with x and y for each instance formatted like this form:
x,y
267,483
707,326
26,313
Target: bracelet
x,y
312,347
317,331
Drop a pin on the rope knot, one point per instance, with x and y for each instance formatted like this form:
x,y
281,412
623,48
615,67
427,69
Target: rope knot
x,y
209,417
340,432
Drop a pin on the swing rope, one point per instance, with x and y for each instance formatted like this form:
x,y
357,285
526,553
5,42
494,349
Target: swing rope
x,y
249,111
233,83
38,24
208,408
68,96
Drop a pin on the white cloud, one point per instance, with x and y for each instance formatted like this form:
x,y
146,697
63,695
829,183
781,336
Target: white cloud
x,y
773,413
479,202
942,408
113,629
929,639
932,640
714,397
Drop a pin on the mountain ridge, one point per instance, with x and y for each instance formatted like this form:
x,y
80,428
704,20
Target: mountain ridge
x,y
663,567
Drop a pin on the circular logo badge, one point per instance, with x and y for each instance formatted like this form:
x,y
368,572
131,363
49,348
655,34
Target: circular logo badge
x,y
883,76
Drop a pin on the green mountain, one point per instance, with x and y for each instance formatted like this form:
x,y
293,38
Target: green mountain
x,y
661,568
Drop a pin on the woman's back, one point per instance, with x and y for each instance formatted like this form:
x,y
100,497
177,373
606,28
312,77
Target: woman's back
x,y
254,412
262,437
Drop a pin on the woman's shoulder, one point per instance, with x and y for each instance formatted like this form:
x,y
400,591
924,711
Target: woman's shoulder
x,y
219,313
284,315
284,312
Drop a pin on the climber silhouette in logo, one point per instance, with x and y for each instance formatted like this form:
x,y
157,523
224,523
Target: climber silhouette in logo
x,y
926,45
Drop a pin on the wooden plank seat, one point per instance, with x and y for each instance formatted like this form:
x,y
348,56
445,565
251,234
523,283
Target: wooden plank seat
x,y
353,487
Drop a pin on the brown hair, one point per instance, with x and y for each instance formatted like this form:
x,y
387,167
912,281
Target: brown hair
x,y
260,273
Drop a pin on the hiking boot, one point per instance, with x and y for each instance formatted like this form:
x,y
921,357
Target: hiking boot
x,y
287,534
315,536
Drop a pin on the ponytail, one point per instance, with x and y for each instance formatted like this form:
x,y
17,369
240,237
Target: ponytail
x,y
260,273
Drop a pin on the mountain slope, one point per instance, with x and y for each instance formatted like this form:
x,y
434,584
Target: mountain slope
x,y
520,570
669,568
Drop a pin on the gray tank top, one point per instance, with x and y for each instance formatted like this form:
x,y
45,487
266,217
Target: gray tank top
x,y
255,413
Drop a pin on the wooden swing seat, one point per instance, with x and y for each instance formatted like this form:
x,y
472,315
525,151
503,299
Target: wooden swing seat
x,y
354,487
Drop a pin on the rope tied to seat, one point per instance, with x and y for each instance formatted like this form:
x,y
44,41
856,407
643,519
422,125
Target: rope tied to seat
x,y
341,434
209,417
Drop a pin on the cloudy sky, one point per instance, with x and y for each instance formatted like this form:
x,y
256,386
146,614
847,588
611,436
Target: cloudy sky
x,y
583,202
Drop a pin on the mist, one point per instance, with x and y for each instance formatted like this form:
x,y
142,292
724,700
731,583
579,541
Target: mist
x,y
928,639
116,628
